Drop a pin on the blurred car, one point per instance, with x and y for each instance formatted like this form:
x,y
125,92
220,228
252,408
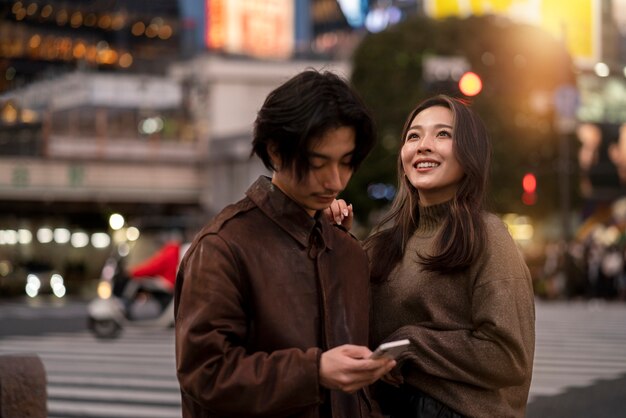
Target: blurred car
x,y
42,278
32,278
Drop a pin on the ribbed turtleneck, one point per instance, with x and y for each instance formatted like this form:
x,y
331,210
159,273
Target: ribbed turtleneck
x,y
431,218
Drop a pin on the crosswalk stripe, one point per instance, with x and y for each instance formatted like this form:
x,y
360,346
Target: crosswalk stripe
x,y
579,363
116,395
110,370
72,409
80,357
106,381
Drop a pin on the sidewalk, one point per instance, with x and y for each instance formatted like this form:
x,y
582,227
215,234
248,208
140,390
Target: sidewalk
x,y
605,399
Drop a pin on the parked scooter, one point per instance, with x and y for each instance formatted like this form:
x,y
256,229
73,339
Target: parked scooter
x,y
119,301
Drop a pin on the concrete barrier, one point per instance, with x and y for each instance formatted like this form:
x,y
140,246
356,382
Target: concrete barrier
x,y
22,387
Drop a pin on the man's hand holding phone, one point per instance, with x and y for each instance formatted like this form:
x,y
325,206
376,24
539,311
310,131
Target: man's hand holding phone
x,y
391,349
350,367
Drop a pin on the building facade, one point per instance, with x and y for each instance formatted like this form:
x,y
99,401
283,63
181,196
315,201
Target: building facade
x,y
131,112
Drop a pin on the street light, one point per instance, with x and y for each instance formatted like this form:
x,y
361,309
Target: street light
x,y
116,221
470,84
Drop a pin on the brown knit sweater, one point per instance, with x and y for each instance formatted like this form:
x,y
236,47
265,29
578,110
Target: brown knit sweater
x,y
472,333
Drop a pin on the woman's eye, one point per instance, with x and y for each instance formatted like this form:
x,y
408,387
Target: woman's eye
x,y
412,136
445,133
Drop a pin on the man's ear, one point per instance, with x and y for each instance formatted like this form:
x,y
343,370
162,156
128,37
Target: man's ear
x,y
272,150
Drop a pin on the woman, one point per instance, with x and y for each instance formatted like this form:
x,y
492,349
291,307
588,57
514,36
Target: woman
x,y
447,276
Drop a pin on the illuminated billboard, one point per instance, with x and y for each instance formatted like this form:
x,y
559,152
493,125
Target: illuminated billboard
x,y
578,22
259,28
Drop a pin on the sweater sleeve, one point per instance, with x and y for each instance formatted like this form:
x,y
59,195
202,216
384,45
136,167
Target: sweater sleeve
x,y
497,349
213,366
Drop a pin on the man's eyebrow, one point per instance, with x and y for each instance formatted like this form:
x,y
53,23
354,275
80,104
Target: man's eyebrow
x,y
313,154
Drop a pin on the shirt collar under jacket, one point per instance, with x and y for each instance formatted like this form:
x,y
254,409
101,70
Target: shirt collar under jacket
x,y
287,214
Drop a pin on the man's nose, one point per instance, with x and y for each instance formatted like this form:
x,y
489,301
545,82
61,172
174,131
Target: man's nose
x,y
332,179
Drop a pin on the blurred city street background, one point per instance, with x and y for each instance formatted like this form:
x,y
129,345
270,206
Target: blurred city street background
x,y
126,125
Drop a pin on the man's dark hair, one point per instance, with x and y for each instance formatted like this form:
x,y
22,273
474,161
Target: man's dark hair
x,y
301,111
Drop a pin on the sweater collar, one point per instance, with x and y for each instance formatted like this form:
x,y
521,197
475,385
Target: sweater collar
x,y
431,217
287,214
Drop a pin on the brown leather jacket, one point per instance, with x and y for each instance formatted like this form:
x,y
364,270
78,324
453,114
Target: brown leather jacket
x,y
263,290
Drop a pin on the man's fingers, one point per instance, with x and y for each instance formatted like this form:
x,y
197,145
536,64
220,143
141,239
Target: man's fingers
x,y
359,380
349,367
355,351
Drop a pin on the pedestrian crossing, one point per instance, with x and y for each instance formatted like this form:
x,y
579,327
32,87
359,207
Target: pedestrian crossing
x,y
577,344
29,308
133,376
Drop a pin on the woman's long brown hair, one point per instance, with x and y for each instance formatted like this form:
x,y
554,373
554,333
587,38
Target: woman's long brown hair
x,y
462,237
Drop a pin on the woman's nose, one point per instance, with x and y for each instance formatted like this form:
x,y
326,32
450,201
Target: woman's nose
x,y
425,144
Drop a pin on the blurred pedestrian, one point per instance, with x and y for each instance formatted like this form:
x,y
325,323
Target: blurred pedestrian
x,y
156,275
448,276
621,283
271,299
611,268
160,266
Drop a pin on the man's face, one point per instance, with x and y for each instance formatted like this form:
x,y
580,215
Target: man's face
x,y
329,172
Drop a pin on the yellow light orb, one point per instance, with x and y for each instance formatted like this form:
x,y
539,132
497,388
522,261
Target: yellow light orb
x,y
470,84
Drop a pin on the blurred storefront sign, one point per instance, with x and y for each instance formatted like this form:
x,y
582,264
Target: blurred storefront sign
x,y
602,99
578,22
442,68
259,28
108,90
98,181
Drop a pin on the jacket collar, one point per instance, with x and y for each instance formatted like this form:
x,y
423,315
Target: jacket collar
x,y
287,214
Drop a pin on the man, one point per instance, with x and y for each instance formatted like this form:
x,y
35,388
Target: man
x,y
272,301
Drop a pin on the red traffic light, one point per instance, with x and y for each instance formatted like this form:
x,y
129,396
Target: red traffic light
x,y
529,183
470,84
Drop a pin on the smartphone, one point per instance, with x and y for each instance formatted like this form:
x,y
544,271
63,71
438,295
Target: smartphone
x,y
391,349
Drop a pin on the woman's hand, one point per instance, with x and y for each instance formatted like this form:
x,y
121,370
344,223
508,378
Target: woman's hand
x,y
340,213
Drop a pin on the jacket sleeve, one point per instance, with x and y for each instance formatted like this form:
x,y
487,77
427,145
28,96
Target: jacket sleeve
x,y
497,349
213,366
162,263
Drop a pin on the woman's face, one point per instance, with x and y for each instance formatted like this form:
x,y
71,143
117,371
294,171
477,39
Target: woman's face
x,y
428,157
